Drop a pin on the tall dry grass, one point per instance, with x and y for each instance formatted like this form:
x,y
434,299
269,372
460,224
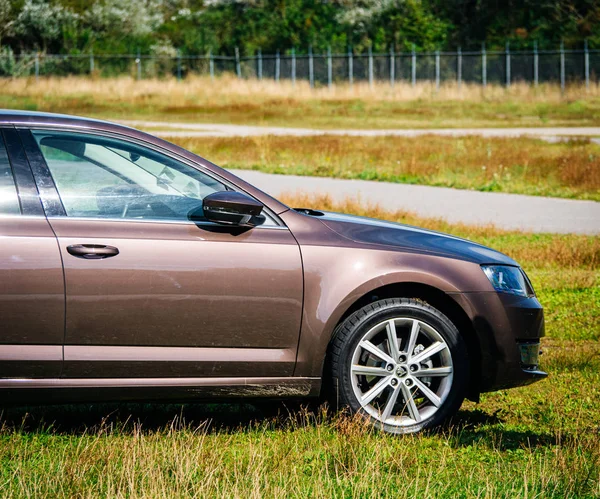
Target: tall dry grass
x,y
229,100
230,89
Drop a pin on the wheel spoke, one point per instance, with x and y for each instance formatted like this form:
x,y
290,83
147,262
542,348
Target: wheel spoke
x,y
412,340
434,371
436,347
410,404
375,391
378,352
389,406
369,370
390,327
435,400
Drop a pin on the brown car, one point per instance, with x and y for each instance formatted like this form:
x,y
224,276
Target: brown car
x,y
134,269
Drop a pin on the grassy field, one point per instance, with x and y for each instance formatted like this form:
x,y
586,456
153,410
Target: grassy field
x,y
532,442
228,100
520,165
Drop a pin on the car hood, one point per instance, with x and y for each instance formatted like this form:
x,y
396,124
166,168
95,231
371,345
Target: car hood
x,y
408,238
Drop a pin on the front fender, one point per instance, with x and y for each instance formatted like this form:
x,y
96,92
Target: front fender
x,y
337,277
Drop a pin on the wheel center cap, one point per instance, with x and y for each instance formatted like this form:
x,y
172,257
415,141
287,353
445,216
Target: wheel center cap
x,y
401,371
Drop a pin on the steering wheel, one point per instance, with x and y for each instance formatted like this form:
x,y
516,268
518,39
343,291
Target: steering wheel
x,y
137,201
149,205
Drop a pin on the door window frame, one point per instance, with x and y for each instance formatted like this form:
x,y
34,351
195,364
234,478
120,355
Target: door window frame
x,y
50,197
30,202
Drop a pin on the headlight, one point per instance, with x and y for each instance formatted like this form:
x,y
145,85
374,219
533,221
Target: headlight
x,y
506,279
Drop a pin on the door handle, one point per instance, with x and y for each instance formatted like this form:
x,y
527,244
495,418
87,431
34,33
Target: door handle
x,y
92,251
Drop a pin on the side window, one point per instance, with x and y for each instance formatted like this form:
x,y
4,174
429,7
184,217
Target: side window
x,y
9,201
99,177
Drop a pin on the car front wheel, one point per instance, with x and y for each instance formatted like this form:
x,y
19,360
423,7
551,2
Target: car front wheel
x,y
400,363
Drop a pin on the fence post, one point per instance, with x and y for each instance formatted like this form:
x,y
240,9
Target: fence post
x,y
350,67
437,70
311,69
392,66
238,66
138,62
259,69
370,66
277,65
329,68
483,65
293,67
507,64
178,65
211,65
37,66
586,64
562,67
414,66
536,64
459,67
91,62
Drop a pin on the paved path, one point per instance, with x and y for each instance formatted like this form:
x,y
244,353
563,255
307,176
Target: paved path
x,y
508,211
170,129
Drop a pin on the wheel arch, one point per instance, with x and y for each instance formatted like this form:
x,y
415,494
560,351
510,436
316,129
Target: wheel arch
x,y
437,299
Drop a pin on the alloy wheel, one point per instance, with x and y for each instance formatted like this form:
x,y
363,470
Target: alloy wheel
x,y
401,371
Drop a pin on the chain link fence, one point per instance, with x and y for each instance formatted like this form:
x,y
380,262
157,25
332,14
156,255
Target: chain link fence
x,y
479,67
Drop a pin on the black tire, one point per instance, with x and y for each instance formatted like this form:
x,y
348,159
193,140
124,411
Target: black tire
x,y
339,380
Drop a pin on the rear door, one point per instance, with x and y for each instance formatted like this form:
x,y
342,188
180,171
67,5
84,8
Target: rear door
x,y
169,297
32,299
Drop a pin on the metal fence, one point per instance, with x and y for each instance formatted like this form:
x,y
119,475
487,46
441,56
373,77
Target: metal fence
x,y
326,69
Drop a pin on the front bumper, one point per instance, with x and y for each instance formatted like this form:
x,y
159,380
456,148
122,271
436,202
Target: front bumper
x,y
508,329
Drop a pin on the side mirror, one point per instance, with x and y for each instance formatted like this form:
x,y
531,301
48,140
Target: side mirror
x,y
232,208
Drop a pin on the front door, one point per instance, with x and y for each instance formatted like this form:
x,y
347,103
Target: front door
x,y
151,294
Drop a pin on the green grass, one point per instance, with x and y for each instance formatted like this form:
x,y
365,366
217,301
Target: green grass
x,y
537,441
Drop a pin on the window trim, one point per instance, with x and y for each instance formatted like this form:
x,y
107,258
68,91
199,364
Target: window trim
x,y
140,143
49,196
206,223
27,192
12,188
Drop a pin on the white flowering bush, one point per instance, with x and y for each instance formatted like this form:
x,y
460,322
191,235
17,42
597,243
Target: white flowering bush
x,y
40,22
134,18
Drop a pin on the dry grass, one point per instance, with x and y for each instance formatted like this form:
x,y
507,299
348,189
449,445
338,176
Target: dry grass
x,y
230,100
232,89
519,165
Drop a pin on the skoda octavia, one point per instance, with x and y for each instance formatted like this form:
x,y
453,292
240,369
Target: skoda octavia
x,y
132,269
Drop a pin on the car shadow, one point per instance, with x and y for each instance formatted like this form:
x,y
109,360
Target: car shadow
x,y
74,419
467,428
475,427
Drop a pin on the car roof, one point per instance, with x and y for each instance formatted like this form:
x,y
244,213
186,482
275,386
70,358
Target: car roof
x,y
12,115
17,116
